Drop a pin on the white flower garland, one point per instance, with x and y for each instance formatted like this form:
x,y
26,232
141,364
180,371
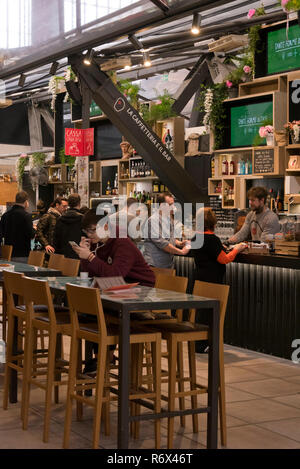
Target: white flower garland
x,y
52,90
296,132
208,100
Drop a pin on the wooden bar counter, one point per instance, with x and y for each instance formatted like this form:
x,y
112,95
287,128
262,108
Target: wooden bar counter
x,y
263,312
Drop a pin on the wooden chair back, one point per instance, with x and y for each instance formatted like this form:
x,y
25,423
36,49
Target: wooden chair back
x,y
37,293
70,267
172,283
13,284
56,261
161,270
6,252
84,300
217,292
36,258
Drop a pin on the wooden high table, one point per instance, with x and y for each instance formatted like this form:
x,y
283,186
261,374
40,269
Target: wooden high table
x,y
146,298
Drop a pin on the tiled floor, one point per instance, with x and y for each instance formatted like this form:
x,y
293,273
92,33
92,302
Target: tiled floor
x,y
263,411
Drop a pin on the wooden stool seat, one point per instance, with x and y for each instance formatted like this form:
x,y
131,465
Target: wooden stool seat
x,y
87,301
189,332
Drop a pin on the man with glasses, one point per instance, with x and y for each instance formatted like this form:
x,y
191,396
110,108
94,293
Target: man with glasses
x,y
104,254
68,228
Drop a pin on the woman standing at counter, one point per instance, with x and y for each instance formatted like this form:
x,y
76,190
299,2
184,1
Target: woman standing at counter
x,y
211,258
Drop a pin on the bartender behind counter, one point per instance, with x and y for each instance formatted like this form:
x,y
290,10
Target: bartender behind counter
x,y
260,221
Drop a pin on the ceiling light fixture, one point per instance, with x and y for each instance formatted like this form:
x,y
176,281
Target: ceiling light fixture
x,y
53,68
22,80
135,42
196,24
88,57
146,59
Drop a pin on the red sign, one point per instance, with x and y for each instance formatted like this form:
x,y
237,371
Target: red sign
x,y
79,142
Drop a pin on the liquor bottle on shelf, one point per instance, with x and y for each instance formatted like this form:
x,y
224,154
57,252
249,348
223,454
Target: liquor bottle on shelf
x,y
108,188
169,141
91,171
250,166
213,173
156,186
247,167
231,167
224,166
115,188
231,193
225,194
242,167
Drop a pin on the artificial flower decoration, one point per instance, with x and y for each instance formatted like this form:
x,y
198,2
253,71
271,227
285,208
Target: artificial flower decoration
x,y
264,131
247,69
251,13
229,84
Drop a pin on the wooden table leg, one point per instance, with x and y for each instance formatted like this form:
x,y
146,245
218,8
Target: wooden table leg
x,y
213,379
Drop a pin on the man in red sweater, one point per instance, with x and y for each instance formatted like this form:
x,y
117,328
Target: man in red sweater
x,y
105,256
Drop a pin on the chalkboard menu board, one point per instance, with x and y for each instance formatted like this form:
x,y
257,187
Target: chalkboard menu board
x,y
264,161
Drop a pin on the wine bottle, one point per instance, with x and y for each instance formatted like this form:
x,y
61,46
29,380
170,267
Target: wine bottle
x,y
108,188
225,167
169,141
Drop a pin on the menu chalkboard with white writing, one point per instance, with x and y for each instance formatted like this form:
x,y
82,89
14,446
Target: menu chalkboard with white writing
x,y
264,161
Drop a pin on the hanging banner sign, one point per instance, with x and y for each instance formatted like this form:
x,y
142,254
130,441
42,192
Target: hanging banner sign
x,y
79,142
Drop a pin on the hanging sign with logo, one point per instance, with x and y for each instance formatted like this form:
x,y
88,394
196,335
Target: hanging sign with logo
x,y
79,142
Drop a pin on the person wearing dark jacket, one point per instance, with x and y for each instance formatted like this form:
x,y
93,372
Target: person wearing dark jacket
x,y
46,224
68,228
17,228
111,257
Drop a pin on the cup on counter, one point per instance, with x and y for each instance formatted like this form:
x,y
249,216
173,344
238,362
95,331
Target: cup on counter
x,y
84,275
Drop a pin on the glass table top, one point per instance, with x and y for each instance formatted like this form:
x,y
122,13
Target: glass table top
x,y
139,294
22,267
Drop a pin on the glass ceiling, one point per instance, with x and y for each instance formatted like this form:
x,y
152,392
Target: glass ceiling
x,y
34,33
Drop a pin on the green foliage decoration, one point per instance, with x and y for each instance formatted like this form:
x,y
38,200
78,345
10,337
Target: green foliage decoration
x,y
217,117
38,159
66,159
160,110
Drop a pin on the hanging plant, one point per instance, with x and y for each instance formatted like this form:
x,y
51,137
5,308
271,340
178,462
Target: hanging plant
x,y
37,159
130,91
160,110
69,76
216,118
66,159
55,84
290,5
22,162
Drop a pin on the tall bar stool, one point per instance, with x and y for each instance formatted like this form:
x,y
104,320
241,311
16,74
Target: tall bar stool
x,y
87,301
36,294
14,286
6,253
36,258
189,331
